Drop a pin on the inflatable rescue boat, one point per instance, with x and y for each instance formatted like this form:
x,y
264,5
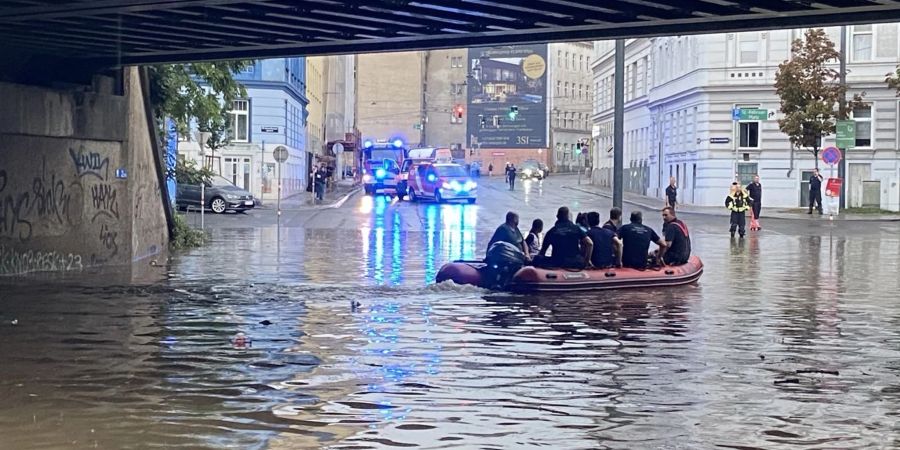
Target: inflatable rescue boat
x,y
535,279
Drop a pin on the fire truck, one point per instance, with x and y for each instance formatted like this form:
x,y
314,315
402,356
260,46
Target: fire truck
x,y
380,161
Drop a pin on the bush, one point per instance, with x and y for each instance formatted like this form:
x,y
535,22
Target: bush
x,y
187,172
185,236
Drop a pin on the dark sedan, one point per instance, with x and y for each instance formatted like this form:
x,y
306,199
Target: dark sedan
x,y
220,196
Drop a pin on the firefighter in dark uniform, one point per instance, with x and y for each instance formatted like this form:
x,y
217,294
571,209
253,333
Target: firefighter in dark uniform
x,y
738,202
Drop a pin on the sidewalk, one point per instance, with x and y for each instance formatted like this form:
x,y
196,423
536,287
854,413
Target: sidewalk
x,y
646,202
334,198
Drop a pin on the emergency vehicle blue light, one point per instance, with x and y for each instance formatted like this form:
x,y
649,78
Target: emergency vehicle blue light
x,y
431,177
398,143
367,144
380,173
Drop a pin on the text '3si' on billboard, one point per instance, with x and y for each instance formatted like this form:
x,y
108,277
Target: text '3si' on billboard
x,y
508,97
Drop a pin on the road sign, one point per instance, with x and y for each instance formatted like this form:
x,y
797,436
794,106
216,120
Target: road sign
x,y
719,140
280,154
269,129
338,148
417,126
749,114
846,133
831,155
833,187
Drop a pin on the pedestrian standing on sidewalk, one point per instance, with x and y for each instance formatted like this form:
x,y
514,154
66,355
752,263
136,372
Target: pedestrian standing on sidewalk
x,y
815,191
738,202
506,173
491,169
320,177
755,191
671,193
511,176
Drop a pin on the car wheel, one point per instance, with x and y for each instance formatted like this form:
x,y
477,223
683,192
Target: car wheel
x,y
218,205
412,195
471,201
437,197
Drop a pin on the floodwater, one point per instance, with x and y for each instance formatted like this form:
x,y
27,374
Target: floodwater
x,y
788,341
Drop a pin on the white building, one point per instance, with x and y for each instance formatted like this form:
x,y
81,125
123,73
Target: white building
x,y
679,96
570,94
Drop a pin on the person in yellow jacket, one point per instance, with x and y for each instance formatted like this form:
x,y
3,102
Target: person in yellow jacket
x,y
738,202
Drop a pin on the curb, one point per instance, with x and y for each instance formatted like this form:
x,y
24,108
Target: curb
x,y
778,216
344,199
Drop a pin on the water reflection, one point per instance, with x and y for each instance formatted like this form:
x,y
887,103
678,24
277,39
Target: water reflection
x,y
786,342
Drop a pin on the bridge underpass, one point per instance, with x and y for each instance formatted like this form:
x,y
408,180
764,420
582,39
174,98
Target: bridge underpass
x,y
80,173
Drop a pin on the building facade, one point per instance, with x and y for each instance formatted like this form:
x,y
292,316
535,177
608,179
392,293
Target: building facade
x,y
680,93
431,101
570,106
390,96
273,113
340,105
315,93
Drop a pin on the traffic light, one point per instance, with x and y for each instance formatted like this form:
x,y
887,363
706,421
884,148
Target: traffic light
x,y
458,111
513,112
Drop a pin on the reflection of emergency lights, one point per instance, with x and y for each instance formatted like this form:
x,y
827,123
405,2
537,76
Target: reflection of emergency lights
x,y
368,144
458,111
431,177
380,173
398,143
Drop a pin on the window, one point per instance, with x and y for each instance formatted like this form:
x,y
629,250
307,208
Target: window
x,y
456,61
632,80
886,42
861,42
566,90
456,88
749,134
558,89
240,120
567,60
559,58
745,172
863,118
748,48
581,62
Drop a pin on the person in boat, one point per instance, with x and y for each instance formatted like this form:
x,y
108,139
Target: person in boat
x,y
677,237
607,246
533,240
636,238
615,220
509,232
571,246
581,221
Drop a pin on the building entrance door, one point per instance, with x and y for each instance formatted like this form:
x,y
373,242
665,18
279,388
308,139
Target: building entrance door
x,y
237,171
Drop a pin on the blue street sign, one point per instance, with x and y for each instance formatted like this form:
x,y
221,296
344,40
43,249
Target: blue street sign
x,y
736,114
831,155
121,173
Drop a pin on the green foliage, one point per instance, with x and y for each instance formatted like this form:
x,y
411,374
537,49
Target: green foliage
x,y
187,172
185,236
811,92
176,92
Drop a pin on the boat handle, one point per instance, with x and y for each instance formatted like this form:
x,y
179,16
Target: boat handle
x,y
551,276
670,272
610,274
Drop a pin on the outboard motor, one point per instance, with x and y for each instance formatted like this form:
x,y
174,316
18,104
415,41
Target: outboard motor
x,y
503,261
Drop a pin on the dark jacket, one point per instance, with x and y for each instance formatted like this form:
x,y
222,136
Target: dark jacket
x,y
755,191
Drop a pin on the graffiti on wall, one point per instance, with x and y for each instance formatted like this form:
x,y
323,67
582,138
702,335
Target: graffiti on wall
x,y
53,200
13,261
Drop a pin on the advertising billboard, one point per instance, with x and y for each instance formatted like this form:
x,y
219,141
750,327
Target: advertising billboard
x,y
507,97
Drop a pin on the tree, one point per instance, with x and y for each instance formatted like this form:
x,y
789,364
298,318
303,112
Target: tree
x,y
811,92
893,80
203,92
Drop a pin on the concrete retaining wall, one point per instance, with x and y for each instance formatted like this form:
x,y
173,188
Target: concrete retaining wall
x,y
78,183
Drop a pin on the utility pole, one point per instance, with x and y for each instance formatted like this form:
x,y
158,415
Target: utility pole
x,y
842,164
619,125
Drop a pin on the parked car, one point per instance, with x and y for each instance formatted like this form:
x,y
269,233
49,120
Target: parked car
x,y
220,196
441,182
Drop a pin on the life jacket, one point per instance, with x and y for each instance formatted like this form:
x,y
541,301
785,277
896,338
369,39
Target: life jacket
x,y
739,203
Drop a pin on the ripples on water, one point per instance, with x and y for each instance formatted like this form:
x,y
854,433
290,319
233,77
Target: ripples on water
x,y
385,361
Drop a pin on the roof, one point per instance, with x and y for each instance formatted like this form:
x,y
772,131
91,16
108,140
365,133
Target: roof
x,y
151,31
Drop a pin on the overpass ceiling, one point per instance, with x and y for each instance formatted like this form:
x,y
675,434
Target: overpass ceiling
x,y
152,31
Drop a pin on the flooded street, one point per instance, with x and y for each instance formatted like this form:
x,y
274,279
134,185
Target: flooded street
x,y
791,339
